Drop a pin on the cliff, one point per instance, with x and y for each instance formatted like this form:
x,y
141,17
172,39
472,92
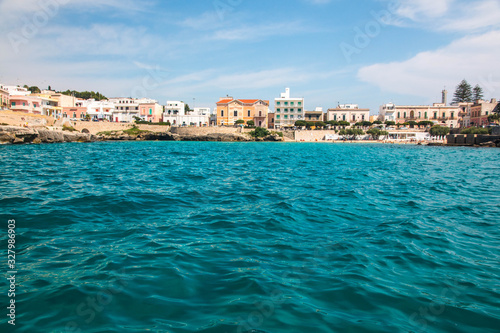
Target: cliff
x,y
18,135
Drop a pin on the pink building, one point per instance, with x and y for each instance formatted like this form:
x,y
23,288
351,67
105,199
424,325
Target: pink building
x,y
75,113
27,104
151,112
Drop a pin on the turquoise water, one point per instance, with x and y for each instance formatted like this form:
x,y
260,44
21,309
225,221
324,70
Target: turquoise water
x,y
252,237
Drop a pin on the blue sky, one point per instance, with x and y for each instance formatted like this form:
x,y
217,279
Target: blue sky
x,y
367,52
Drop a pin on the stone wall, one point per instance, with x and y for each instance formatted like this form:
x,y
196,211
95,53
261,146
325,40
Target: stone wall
x,y
313,135
16,118
101,126
470,139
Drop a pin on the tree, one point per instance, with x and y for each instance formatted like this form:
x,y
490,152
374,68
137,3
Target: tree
x,y
251,123
301,123
259,132
239,121
377,122
425,123
413,123
186,108
310,124
320,124
463,92
376,133
390,123
439,130
478,93
344,123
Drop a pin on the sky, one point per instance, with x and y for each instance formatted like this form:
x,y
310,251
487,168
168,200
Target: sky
x,y
366,52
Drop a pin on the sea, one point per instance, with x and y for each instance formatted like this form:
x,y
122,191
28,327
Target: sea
x,y
216,237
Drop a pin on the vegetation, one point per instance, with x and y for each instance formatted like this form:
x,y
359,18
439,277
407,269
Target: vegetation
x,y
239,121
134,131
250,123
344,123
278,133
351,133
84,94
439,130
377,122
332,123
475,130
494,118
259,132
412,123
33,89
68,128
477,93
301,123
320,124
425,123
376,133
463,92
186,108
390,123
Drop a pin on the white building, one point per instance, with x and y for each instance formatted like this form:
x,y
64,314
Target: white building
x,y
16,91
388,111
175,108
126,109
97,110
348,112
288,110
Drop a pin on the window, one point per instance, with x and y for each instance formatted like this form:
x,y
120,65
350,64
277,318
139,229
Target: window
x,y
150,111
300,103
404,113
278,116
24,104
286,103
399,114
278,103
286,110
291,103
335,117
299,110
248,113
286,116
444,114
236,113
74,114
435,115
343,117
222,113
291,116
453,115
420,115
425,115
278,111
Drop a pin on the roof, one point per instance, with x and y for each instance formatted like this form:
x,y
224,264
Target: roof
x,y
242,101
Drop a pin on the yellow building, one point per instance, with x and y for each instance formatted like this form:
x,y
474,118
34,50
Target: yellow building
x,y
229,110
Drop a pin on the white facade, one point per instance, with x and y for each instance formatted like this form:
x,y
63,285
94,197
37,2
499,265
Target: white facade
x,y
125,109
202,111
288,110
187,120
16,91
175,108
388,111
348,112
97,110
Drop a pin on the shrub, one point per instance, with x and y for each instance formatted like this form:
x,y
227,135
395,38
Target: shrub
x,y
68,128
475,130
259,132
251,123
239,121
134,131
301,123
439,130
376,133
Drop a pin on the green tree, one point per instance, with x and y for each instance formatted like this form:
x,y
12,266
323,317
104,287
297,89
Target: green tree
x,y
251,123
344,123
239,121
439,130
320,124
301,123
310,124
259,132
474,130
34,90
377,122
390,123
463,92
376,133
425,123
413,123
478,93
186,108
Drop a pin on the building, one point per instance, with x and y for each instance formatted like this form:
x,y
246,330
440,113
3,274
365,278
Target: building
x,y
17,91
175,108
230,110
480,111
314,116
125,110
288,110
348,112
439,113
63,101
97,110
27,104
4,98
199,117
50,105
150,110
75,113
271,120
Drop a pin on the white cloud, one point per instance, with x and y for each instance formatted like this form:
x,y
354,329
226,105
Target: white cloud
x,y
471,57
447,15
259,31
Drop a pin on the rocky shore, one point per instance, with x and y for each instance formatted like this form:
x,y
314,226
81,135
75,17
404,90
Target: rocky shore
x,y
20,135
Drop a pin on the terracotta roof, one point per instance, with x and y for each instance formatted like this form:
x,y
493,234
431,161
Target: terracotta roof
x,y
244,101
